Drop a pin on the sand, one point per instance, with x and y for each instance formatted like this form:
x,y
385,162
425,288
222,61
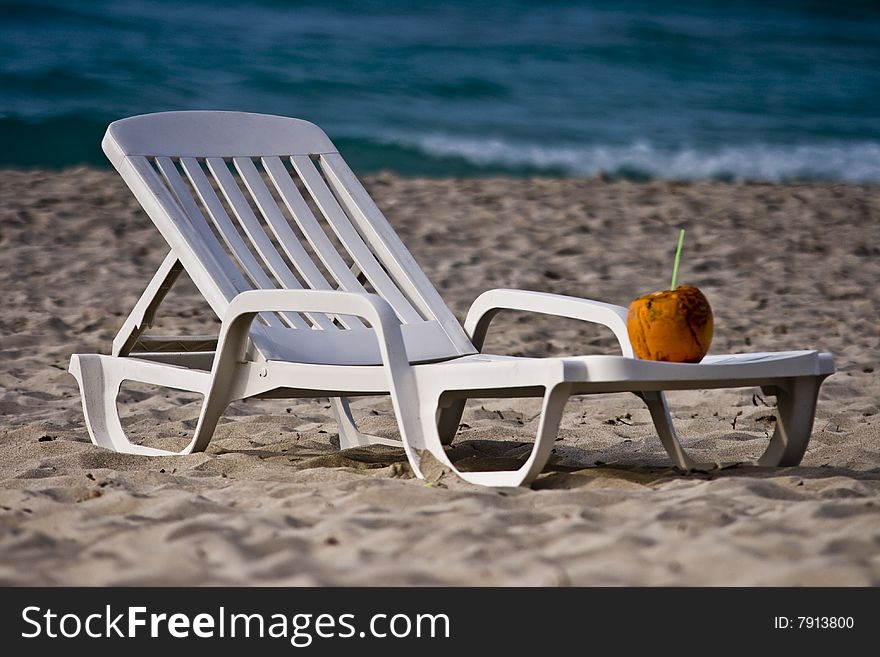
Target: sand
x,y
273,502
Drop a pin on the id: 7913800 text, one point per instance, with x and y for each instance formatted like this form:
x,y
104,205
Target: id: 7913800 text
x,y
813,622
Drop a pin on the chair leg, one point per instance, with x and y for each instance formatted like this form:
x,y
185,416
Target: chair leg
x,y
100,377
662,418
448,420
349,434
795,412
796,408
555,398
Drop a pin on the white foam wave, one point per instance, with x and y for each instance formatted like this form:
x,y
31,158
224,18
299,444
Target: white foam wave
x,y
854,162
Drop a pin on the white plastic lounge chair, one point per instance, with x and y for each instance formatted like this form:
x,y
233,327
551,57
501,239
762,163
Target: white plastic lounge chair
x,y
331,304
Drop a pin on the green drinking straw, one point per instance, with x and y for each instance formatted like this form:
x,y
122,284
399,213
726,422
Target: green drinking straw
x,y
677,258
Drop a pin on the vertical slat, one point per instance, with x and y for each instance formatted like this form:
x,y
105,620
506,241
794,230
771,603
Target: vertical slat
x,y
230,277
288,240
230,235
352,241
252,228
390,249
309,226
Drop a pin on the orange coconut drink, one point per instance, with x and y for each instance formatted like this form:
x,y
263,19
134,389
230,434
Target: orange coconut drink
x,y
672,325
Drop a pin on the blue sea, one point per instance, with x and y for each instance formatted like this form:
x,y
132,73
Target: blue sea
x,y
678,90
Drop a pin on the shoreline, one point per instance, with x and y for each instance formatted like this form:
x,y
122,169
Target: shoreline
x,y
600,176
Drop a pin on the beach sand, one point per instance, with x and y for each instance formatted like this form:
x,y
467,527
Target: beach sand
x,y
272,502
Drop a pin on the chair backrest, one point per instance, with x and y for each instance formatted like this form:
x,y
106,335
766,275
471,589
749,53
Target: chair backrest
x,y
251,201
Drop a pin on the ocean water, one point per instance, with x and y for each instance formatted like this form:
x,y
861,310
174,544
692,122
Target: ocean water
x,y
682,90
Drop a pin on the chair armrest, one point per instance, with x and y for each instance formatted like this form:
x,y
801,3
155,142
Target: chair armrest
x,y
232,344
488,304
373,308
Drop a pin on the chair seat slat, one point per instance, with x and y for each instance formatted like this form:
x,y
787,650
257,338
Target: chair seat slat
x,y
288,240
195,223
384,241
192,242
231,236
352,241
309,226
252,228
